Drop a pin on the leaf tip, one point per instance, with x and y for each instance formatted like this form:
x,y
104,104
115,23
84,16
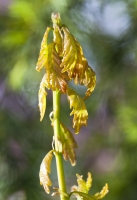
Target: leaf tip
x,y
37,68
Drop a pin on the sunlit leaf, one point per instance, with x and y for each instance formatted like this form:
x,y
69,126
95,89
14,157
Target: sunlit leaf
x,y
75,63
58,40
89,80
45,170
83,186
68,145
54,78
81,191
89,181
79,110
69,52
43,56
42,97
103,192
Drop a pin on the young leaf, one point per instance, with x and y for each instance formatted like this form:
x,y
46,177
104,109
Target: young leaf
x,y
79,110
89,80
81,191
58,37
42,98
75,63
103,192
70,53
54,78
43,56
83,186
45,170
68,145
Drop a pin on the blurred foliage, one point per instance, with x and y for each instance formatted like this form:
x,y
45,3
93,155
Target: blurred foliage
x,y
108,145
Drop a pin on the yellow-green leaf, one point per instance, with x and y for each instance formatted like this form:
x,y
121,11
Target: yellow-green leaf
x,y
70,53
68,145
43,56
103,192
54,78
89,80
45,170
81,191
42,97
79,110
75,63
84,186
58,40
89,181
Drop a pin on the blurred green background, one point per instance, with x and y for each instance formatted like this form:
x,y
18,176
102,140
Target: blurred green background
x,y
107,31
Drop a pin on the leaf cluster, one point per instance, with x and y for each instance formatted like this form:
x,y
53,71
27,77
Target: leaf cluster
x,y
81,191
64,61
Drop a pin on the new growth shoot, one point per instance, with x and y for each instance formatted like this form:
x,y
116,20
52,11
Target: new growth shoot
x,y
64,61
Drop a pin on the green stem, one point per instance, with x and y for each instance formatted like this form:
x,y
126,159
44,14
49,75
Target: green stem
x,y
58,155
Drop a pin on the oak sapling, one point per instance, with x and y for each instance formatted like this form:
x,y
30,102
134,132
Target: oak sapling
x,y
64,61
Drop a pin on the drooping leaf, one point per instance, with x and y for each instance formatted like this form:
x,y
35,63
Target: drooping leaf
x,y
89,80
45,171
70,53
54,78
103,192
43,56
75,63
79,110
42,97
68,145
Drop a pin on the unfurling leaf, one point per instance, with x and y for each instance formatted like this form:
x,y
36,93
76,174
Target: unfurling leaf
x,y
103,192
45,170
42,98
68,145
55,79
75,63
43,56
58,40
83,186
81,191
79,110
